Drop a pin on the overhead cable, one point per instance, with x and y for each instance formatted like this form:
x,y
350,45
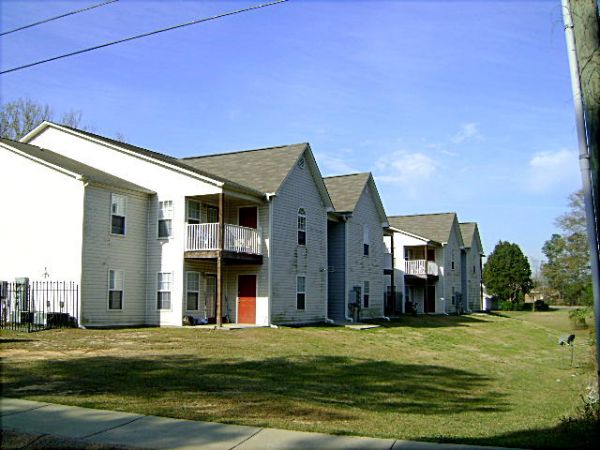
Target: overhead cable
x,y
58,17
139,36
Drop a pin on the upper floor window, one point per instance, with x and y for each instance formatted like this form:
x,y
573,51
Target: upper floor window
x,y
452,262
117,214
193,212
212,214
301,292
163,289
366,240
115,289
366,292
165,219
301,226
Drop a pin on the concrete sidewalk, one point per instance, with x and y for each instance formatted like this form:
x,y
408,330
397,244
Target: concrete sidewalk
x,y
150,432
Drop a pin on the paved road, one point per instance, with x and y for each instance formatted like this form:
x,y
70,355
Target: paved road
x,y
27,423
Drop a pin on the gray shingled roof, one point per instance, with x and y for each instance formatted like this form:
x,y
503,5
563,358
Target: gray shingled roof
x,y
262,169
71,165
345,190
164,158
436,227
467,229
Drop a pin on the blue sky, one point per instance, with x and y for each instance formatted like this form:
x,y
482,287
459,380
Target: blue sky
x,y
453,105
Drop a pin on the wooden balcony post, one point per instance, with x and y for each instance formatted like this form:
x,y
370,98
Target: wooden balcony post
x,y
220,261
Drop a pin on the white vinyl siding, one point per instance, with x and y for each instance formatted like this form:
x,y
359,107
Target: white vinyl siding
x,y
290,259
118,215
102,252
115,289
165,219
163,290
364,229
192,284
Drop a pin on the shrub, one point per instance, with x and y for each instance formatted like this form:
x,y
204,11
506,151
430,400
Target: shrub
x,y
578,317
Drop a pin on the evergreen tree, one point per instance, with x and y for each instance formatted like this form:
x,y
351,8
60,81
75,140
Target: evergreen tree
x,y
507,274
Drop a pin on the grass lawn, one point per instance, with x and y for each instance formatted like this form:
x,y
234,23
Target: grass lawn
x,y
481,379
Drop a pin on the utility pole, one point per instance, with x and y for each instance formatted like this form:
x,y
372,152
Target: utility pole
x,y
582,33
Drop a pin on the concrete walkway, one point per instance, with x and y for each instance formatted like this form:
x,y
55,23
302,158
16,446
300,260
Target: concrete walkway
x,y
151,432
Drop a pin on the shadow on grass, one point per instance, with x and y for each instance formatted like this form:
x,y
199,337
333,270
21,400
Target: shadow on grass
x,y
577,435
427,321
327,387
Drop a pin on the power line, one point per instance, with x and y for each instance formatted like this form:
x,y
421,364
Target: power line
x,y
58,17
193,22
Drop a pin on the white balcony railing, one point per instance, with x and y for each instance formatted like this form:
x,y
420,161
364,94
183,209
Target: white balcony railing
x,y
205,236
420,267
242,239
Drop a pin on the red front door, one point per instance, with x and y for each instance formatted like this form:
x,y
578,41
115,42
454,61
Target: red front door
x,y
248,217
246,299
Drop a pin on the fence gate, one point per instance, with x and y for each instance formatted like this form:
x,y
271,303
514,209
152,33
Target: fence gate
x,y
38,305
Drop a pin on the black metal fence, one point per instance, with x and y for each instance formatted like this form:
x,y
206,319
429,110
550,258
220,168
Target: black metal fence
x,y
39,305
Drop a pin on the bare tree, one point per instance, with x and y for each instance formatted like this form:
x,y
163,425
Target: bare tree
x,y
19,117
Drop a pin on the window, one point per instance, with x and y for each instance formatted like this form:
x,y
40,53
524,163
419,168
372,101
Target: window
x,y
164,285
301,226
192,290
301,292
212,214
452,264
366,240
473,270
117,214
366,289
115,289
193,212
453,296
165,219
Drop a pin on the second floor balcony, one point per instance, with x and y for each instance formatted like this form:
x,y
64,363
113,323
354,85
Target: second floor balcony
x,y
421,268
204,240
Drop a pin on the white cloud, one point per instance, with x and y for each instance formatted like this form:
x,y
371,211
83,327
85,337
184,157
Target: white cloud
x,y
331,165
550,169
468,132
406,169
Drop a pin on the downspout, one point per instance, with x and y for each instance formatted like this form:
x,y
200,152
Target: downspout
x,y
584,165
83,212
271,200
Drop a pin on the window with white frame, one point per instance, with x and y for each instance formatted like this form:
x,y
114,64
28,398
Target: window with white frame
x,y
301,292
192,290
212,214
117,214
193,212
452,262
165,219
301,226
115,289
164,287
366,240
366,291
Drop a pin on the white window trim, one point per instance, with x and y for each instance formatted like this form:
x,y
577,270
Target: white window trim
x,y
162,290
188,290
300,292
112,195
366,240
158,219
108,291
